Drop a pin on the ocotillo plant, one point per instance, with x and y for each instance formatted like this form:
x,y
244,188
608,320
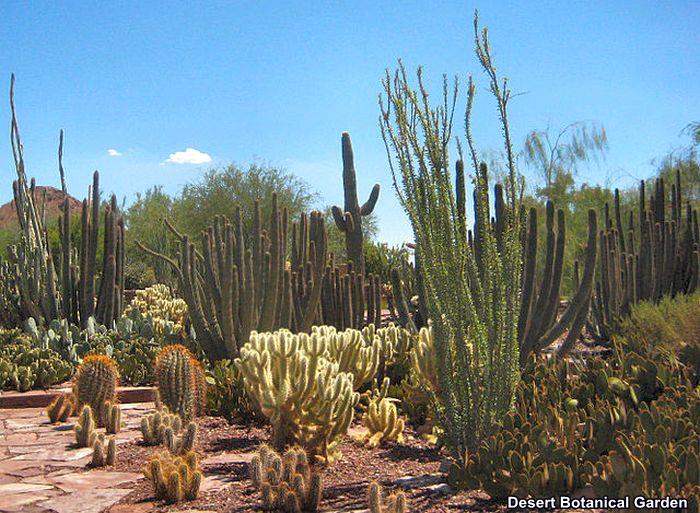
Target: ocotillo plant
x,y
473,296
653,257
349,220
51,287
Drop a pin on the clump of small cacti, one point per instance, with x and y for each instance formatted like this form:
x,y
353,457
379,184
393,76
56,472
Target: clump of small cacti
x,y
104,453
95,384
60,409
395,503
352,353
286,483
85,432
113,418
180,444
154,426
159,303
382,422
181,382
174,478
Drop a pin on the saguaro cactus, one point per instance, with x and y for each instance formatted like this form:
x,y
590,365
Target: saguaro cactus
x,y
349,220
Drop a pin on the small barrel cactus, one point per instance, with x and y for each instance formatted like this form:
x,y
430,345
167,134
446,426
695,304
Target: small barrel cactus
x,y
174,478
95,383
181,382
85,432
113,418
181,444
154,426
103,454
395,503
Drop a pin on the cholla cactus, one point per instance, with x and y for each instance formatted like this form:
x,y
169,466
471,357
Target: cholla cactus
x,y
154,426
103,454
306,397
352,354
395,503
113,418
159,303
85,433
183,443
180,380
174,478
424,358
382,422
60,409
286,483
95,383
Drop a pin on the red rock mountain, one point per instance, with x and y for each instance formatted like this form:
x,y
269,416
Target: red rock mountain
x,y
54,200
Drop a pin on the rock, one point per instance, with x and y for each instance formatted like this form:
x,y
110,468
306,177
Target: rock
x,y
439,489
23,488
93,500
79,481
411,482
216,483
229,457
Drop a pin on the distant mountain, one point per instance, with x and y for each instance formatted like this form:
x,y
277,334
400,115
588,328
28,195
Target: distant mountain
x,y
54,201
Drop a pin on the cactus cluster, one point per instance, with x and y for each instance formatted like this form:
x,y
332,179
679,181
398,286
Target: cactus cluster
x,y
180,443
286,483
64,285
174,478
95,384
158,303
181,382
60,408
394,503
112,418
382,422
104,452
155,425
86,429
24,366
653,256
306,397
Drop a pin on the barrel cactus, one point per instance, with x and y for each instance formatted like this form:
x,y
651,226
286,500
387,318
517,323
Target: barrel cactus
x,y
181,382
95,384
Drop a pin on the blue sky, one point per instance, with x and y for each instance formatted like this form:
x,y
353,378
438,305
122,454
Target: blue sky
x,y
277,82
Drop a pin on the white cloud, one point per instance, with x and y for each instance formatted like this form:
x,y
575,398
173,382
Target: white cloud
x,y
189,156
113,153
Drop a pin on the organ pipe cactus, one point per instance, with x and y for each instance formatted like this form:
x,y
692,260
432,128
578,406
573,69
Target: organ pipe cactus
x,y
349,219
53,286
654,256
286,483
95,384
306,397
180,385
232,287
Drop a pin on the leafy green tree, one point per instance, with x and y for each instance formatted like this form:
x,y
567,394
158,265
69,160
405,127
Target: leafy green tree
x,y
556,157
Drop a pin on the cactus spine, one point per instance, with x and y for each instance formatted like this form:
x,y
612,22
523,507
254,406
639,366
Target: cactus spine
x,y
95,383
60,409
179,381
286,483
85,429
349,220
174,478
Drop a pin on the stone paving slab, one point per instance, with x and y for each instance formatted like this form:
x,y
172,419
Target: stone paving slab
x,y
41,471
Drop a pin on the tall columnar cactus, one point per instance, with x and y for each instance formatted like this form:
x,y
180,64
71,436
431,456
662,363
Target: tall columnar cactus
x,y
286,483
176,373
63,285
655,256
305,396
95,384
233,286
349,220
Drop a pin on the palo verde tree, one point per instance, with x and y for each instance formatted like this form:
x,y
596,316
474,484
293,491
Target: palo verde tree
x,y
472,281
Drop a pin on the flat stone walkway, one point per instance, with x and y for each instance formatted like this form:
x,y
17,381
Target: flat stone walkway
x,y
41,471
